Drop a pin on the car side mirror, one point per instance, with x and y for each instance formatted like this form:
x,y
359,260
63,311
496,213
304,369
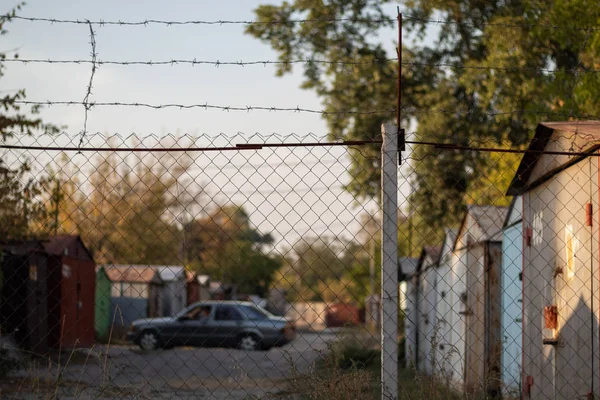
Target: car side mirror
x,y
184,318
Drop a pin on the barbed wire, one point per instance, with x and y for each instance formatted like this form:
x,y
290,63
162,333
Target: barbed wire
x,y
216,63
405,18
86,103
472,112
205,106
307,61
147,22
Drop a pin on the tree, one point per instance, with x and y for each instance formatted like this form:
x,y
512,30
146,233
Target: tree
x,y
125,208
472,87
321,269
21,206
225,245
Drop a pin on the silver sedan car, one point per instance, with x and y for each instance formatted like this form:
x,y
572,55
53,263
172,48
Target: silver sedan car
x,y
214,324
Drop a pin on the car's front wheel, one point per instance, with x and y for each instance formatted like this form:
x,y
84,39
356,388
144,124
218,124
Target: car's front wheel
x,y
149,340
249,342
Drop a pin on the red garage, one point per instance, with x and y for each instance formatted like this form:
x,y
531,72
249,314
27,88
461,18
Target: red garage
x,y
71,292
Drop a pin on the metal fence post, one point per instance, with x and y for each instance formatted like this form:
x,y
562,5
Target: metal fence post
x,y
389,263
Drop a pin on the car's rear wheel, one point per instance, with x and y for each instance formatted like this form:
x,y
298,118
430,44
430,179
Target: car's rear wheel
x,y
249,342
149,341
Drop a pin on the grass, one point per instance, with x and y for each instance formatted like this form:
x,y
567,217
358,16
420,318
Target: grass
x,y
350,369
43,376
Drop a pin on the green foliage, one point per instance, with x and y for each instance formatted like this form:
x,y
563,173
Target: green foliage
x,y
324,269
21,207
124,214
349,353
225,246
516,43
367,85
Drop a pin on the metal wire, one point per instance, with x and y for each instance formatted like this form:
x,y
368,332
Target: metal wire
x,y
241,63
205,106
473,113
86,103
199,22
407,18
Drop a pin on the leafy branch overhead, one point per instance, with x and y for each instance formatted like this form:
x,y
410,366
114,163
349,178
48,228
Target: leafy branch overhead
x,y
19,191
463,82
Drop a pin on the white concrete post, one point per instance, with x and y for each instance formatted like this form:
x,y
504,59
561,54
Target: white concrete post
x,y
389,263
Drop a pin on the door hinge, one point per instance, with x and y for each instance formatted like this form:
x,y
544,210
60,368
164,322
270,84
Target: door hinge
x,y
528,235
588,215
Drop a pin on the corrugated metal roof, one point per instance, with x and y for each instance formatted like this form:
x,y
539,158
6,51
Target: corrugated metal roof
x,y
588,131
204,279
57,244
433,252
450,237
515,212
169,273
191,276
408,265
448,246
490,219
131,273
20,247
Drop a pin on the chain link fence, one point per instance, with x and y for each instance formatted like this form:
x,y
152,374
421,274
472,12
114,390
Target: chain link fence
x,y
181,273
446,263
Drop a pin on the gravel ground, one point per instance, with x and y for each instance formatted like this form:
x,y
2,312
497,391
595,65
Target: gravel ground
x,y
125,372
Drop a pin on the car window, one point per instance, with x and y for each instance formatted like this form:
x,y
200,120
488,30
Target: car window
x,y
228,313
252,313
200,312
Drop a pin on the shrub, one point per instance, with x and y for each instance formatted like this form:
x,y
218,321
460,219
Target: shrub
x,y
348,352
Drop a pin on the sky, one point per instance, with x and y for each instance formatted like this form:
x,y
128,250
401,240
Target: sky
x,y
291,192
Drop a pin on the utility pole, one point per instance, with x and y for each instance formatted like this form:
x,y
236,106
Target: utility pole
x,y
373,311
391,157
389,264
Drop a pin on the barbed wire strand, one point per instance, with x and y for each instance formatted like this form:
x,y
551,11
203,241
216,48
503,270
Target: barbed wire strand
x,y
86,104
308,61
383,21
147,22
205,106
470,113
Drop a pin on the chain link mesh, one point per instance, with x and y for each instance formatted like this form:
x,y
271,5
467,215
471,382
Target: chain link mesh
x,y
185,274
247,266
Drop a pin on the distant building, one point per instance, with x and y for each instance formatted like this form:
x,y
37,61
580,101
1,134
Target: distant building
x,y
561,274
443,328
135,293
197,287
174,289
71,291
512,298
103,302
406,272
426,301
476,300
47,293
24,294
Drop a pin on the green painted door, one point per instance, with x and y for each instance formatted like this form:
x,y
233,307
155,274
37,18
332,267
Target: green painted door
x,y
102,317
